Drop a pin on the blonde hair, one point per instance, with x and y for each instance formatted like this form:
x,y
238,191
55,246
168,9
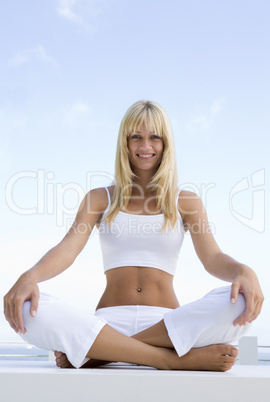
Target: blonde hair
x,y
164,182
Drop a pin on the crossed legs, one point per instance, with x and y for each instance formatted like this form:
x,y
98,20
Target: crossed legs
x,y
200,333
152,347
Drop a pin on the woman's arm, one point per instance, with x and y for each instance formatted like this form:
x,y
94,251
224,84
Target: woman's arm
x,y
60,257
55,261
217,263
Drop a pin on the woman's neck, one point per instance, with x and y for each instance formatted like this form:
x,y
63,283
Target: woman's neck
x,y
141,184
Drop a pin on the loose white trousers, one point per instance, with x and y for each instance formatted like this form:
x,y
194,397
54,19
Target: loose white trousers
x,y
59,326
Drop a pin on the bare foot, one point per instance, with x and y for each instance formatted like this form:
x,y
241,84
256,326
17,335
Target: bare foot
x,y
209,358
63,362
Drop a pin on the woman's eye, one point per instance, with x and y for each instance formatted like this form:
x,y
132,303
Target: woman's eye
x,y
138,137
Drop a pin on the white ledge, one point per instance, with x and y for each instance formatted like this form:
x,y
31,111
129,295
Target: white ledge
x,y
42,381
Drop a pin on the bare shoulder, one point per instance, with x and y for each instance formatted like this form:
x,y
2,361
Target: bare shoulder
x,y
96,200
111,190
190,205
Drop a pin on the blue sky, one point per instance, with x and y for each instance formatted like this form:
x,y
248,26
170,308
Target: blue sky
x,y
68,72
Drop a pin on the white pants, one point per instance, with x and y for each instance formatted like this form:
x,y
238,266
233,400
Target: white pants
x,y
59,326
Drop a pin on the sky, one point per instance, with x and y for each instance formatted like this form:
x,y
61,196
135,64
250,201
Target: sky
x,y
69,70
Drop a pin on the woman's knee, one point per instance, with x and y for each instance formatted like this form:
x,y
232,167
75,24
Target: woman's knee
x,y
29,324
234,310
240,304
220,299
221,328
40,317
228,315
38,327
27,318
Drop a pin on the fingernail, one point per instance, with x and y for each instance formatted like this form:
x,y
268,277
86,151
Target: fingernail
x,y
232,300
34,313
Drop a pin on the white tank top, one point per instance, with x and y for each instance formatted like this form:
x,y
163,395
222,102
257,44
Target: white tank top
x,y
137,240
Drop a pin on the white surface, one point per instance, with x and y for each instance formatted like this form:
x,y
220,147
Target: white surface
x,y
43,381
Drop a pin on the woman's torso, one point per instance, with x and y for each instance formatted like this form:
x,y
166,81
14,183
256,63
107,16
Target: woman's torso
x,y
132,285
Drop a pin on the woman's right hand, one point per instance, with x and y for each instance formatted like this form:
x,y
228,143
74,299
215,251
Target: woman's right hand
x,y
25,288
56,260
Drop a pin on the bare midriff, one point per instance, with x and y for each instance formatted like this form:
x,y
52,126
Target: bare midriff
x,y
138,286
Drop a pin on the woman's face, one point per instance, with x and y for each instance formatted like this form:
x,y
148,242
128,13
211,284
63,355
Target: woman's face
x,y
145,150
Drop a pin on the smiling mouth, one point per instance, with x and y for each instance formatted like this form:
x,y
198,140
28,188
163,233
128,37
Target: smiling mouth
x,y
145,156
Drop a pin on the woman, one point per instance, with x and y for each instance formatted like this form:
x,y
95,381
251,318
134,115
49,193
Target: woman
x,y
142,220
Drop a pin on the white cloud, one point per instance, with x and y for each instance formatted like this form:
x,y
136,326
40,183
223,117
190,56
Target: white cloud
x,y
77,113
203,121
27,55
216,106
80,108
66,9
83,12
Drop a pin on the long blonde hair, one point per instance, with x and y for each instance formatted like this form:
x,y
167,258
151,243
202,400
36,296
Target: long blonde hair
x,y
164,181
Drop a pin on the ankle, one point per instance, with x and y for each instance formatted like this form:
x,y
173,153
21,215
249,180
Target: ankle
x,y
167,361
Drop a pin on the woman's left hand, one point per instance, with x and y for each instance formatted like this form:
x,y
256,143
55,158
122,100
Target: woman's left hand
x,y
247,283
244,280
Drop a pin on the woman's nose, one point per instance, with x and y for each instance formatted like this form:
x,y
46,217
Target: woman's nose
x,y
146,143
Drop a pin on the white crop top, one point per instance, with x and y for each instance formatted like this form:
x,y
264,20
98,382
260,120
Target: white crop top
x,y
137,240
